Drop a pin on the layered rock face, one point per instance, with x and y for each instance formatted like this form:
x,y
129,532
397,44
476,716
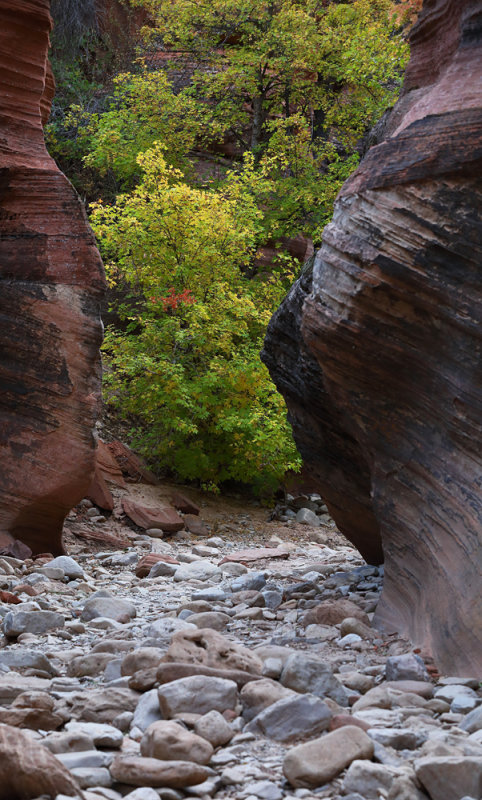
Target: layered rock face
x,y
379,357
51,285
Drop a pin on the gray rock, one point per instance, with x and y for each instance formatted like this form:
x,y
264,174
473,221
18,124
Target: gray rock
x,y
89,777
85,758
70,567
398,738
272,598
450,777
111,607
449,693
38,622
307,517
147,711
407,667
263,790
162,630
197,694
101,734
463,704
303,673
26,659
213,594
52,573
251,580
291,718
473,721
368,779
201,570
143,792
315,763
162,570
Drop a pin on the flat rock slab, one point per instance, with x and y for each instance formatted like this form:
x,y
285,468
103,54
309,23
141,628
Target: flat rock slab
x,y
255,554
138,771
184,504
163,517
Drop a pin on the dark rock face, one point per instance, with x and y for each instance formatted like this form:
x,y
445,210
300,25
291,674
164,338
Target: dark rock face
x,y
390,331
51,285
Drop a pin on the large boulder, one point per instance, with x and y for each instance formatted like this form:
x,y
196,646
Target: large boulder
x,y
51,287
377,351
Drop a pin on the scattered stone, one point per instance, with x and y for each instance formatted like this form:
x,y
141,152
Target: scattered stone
x,y
315,763
333,612
449,777
111,607
37,622
147,517
170,741
406,667
198,694
304,673
291,718
139,771
68,565
208,647
369,779
201,570
146,563
214,728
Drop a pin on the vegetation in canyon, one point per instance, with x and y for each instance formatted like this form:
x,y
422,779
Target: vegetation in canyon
x,y
205,137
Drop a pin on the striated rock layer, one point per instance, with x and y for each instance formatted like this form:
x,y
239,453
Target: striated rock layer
x,y
380,357
51,285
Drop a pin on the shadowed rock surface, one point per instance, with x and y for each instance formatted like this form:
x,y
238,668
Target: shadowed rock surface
x,y
379,359
51,285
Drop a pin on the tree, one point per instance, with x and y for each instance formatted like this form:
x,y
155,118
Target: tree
x,y
187,367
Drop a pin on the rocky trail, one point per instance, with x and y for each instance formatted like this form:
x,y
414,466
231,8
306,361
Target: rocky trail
x,y
239,663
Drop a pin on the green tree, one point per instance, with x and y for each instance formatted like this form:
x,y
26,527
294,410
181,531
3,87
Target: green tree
x,y
187,368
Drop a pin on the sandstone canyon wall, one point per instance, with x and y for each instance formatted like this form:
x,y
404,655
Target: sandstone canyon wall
x,y
51,286
378,352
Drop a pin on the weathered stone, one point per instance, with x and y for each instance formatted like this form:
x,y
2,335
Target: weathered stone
x,y
304,673
89,664
170,741
69,566
379,378
368,779
198,694
447,777
214,728
38,622
27,769
407,667
255,554
51,288
291,718
473,721
210,619
333,612
201,570
138,771
210,648
146,563
146,517
111,607
172,671
319,761
143,658
184,504
102,705
102,735
258,695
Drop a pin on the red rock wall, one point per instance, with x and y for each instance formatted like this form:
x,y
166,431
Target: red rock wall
x,y
393,322
51,286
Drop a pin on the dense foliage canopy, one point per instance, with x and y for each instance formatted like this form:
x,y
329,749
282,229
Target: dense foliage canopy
x,y
229,134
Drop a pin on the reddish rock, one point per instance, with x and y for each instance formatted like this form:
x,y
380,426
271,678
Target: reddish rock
x,y
195,525
146,563
51,287
182,503
255,554
172,671
380,364
130,464
146,517
106,471
332,612
8,597
13,547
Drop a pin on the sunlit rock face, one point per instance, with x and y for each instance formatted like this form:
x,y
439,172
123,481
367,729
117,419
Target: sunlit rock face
x,y
51,286
390,328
